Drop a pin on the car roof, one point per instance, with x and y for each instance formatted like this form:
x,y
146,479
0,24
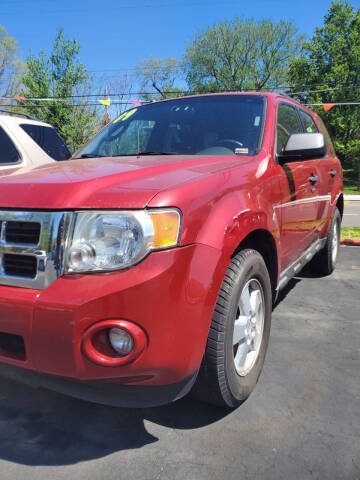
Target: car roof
x,y
277,97
273,95
15,120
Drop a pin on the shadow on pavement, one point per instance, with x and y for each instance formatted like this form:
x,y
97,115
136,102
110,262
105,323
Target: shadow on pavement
x,y
38,427
286,290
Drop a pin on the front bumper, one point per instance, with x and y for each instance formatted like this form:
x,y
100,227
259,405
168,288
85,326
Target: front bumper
x,y
170,295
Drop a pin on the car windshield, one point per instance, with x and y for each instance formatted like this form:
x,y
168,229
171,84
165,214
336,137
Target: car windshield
x,y
206,125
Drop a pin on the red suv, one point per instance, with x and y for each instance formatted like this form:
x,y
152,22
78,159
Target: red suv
x,y
148,265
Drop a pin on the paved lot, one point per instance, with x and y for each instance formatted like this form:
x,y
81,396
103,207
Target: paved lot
x,y
301,422
351,216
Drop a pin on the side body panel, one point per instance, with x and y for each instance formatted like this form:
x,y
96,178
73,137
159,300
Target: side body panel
x,y
300,209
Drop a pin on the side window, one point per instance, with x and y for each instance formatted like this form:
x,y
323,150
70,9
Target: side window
x,y
287,123
327,136
8,152
48,140
308,123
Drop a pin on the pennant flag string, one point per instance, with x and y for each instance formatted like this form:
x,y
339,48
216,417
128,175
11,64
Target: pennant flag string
x,y
328,106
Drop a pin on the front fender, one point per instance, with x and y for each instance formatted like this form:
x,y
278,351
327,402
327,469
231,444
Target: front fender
x,y
233,218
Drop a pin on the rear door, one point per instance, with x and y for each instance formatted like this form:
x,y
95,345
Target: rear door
x,y
323,187
330,171
299,185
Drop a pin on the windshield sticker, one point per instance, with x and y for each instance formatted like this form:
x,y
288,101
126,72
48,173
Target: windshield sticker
x,y
124,116
309,129
241,151
257,121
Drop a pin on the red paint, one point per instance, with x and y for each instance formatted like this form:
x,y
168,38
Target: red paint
x,y
171,294
350,241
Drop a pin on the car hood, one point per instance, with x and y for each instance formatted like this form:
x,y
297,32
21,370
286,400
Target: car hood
x,y
119,182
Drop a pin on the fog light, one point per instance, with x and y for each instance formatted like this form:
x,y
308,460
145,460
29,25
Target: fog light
x,y
121,341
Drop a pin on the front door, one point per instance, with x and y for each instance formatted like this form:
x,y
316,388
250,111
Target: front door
x,y
300,192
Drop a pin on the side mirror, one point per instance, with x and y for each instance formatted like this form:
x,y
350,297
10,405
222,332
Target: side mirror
x,y
302,146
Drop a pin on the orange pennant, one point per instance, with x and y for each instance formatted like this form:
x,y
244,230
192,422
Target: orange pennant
x,y
327,106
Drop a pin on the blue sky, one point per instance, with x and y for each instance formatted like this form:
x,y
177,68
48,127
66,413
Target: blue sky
x,y
116,34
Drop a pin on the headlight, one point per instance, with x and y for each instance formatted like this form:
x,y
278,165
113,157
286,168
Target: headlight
x,y
112,240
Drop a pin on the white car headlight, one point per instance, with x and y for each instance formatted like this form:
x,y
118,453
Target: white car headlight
x,y
113,240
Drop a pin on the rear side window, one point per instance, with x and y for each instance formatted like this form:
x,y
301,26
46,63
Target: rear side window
x,y
48,139
287,123
308,123
327,136
8,152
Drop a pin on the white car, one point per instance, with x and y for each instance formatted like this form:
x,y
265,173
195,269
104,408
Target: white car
x,y
26,142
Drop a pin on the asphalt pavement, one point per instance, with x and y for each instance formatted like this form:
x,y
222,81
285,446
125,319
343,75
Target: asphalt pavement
x,y
301,422
351,217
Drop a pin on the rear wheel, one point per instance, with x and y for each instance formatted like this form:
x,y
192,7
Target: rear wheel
x,y
239,333
324,261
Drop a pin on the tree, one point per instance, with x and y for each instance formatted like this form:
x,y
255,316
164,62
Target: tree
x,y
241,54
123,85
58,77
158,75
330,64
10,65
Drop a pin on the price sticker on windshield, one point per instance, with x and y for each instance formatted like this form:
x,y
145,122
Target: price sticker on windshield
x,y
241,151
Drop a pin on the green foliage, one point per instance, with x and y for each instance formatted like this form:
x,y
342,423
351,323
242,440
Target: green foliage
x,y
351,181
60,75
350,232
331,59
158,75
241,54
10,63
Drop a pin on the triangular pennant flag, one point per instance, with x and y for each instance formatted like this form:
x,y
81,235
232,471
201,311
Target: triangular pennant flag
x,y
327,106
20,98
105,102
135,102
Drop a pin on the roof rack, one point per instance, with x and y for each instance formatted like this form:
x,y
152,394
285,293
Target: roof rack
x,y
285,95
19,114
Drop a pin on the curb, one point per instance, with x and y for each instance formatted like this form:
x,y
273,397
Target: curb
x,y
349,241
352,197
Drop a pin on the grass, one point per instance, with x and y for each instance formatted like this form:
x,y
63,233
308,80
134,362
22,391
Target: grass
x,y
350,232
350,181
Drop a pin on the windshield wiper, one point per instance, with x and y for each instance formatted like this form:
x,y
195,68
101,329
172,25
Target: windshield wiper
x,y
90,155
137,154
149,152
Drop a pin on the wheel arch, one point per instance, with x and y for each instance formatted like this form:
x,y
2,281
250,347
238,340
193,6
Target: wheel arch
x,y
340,204
262,241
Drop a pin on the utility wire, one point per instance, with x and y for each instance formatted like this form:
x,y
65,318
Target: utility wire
x,y
126,103
183,92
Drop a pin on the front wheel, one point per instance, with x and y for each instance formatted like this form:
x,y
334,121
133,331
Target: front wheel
x,y
239,333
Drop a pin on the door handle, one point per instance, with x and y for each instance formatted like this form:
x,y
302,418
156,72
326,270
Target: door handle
x,y
313,179
333,173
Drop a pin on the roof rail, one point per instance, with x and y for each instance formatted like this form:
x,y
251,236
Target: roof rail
x,y
20,114
285,95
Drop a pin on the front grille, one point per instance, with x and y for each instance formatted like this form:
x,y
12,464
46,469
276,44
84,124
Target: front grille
x,y
19,265
22,232
32,245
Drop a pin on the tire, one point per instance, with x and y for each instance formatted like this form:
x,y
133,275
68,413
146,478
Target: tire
x,y
227,374
324,261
